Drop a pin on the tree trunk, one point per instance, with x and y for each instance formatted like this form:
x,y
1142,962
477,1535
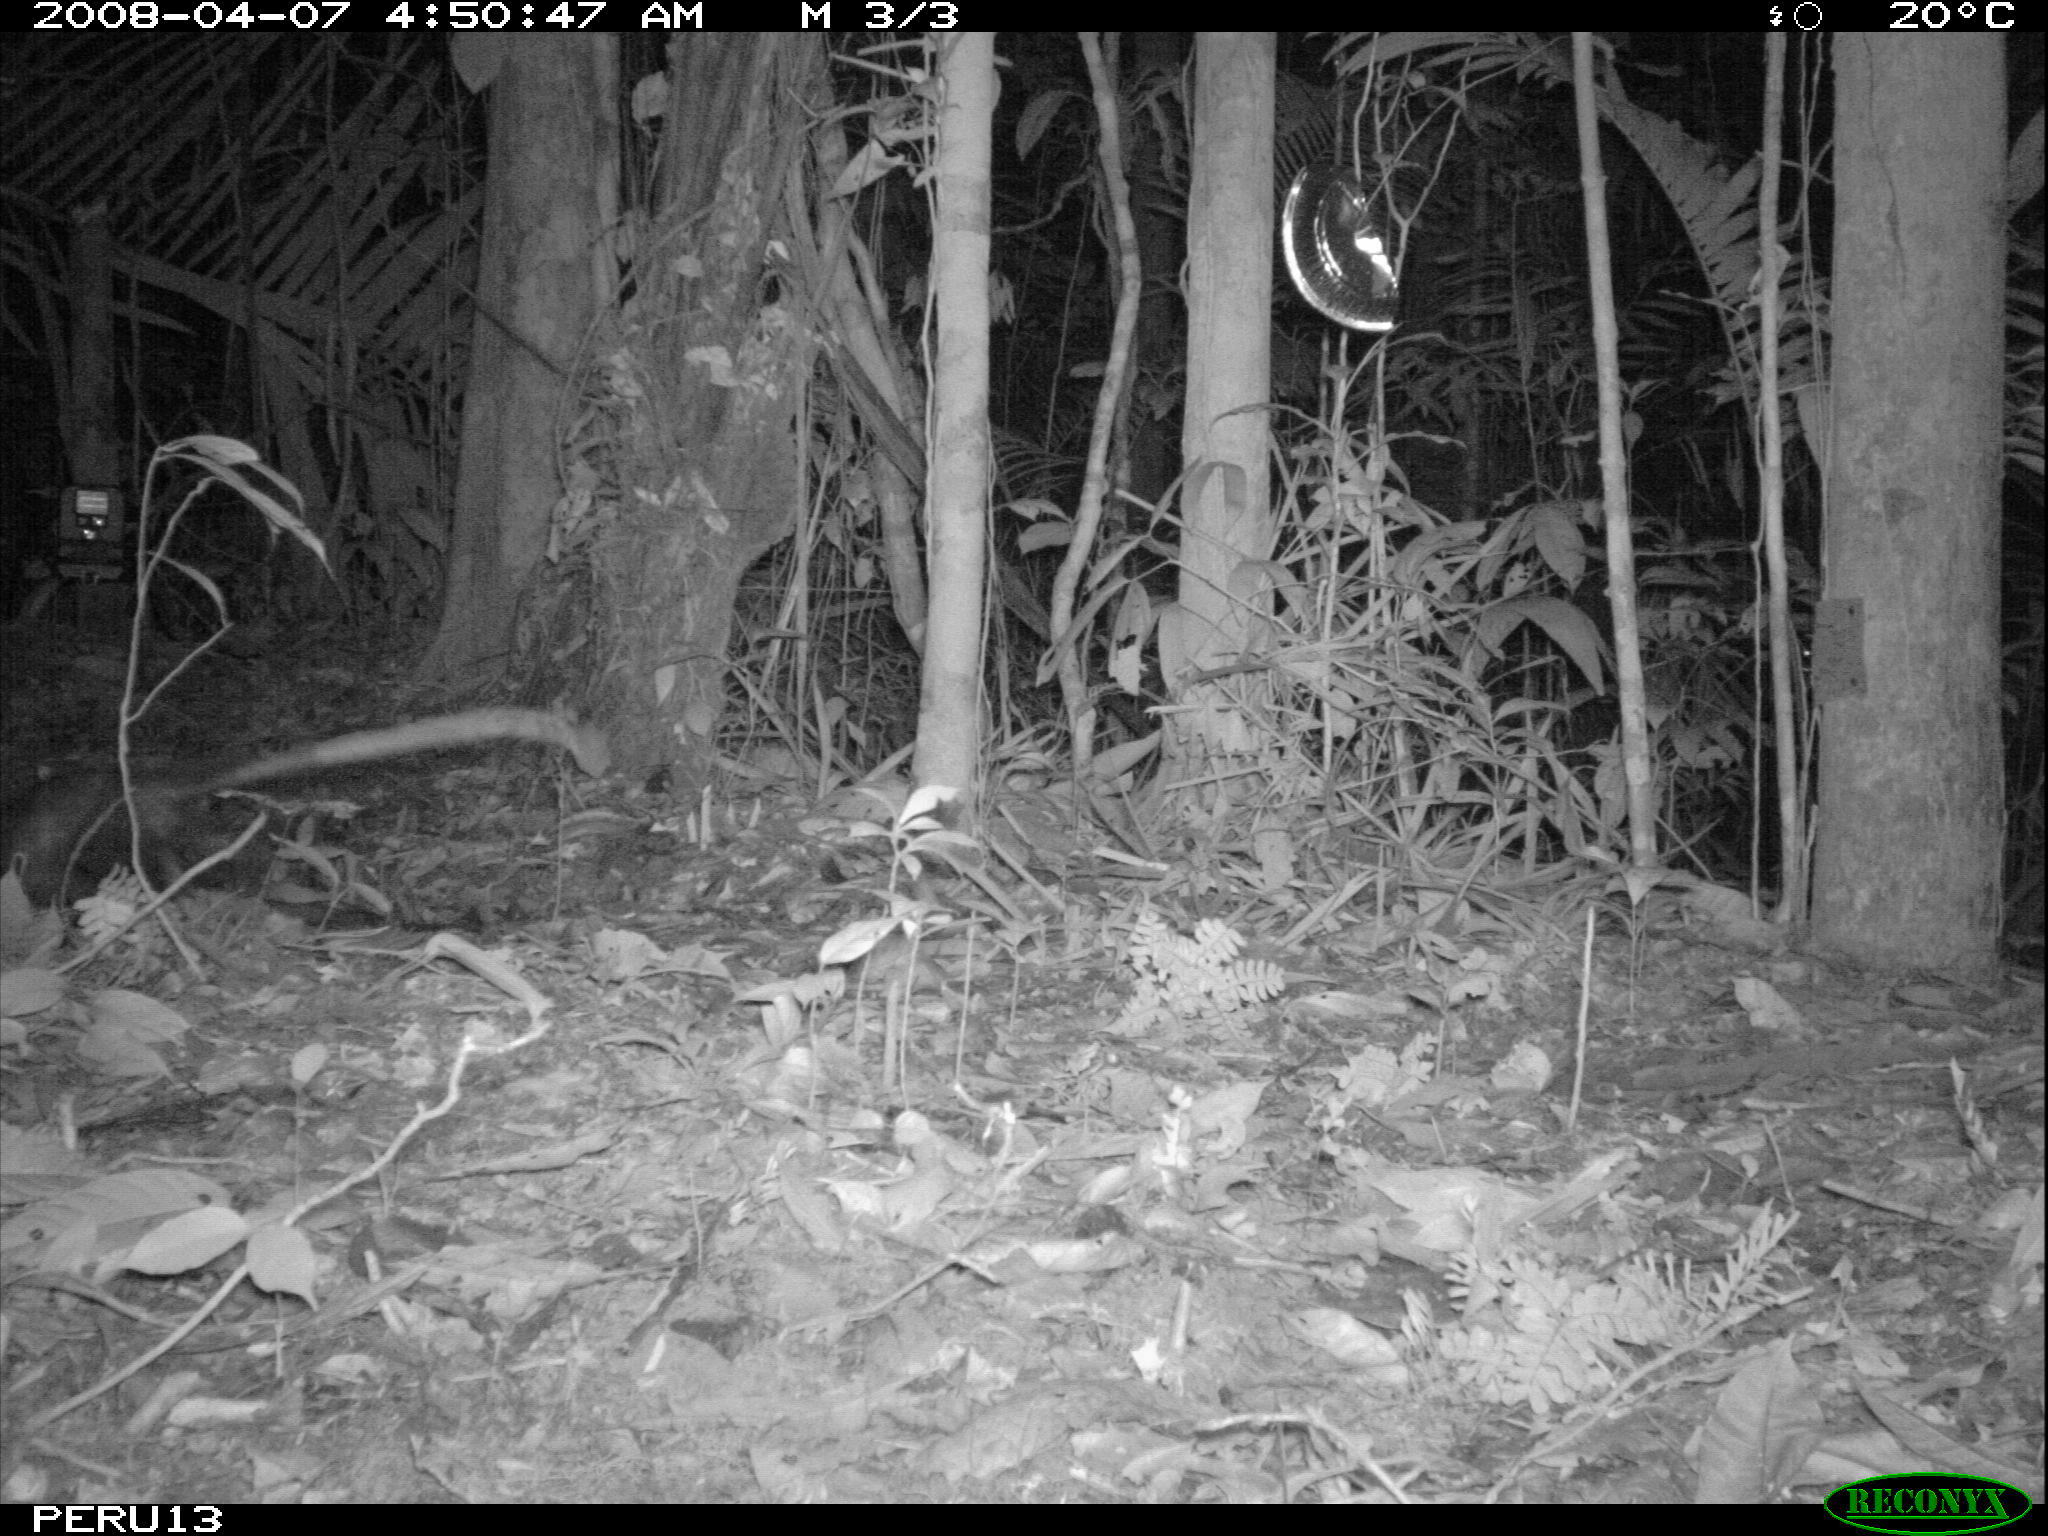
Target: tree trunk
x,y
949,705
704,380
1228,522
534,304
1909,825
86,414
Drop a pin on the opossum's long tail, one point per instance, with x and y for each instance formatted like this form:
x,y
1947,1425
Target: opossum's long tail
x,y
585,743
42,835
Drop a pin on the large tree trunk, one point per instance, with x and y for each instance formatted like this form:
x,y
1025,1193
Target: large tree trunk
x,y
706,382
535,299
1909,825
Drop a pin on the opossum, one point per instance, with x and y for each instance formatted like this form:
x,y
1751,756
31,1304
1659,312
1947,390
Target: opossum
x,y
42,836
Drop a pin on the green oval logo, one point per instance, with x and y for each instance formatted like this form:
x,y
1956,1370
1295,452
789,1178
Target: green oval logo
x,y
1947,1503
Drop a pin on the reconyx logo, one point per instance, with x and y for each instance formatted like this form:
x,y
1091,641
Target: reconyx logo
x,y
1924,1502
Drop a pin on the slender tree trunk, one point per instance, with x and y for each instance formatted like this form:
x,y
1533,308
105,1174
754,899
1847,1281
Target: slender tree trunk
x,y
1620,536
1227,531
87,415
949,704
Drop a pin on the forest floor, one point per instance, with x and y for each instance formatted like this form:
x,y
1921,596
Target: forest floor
x,y
1064,1186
